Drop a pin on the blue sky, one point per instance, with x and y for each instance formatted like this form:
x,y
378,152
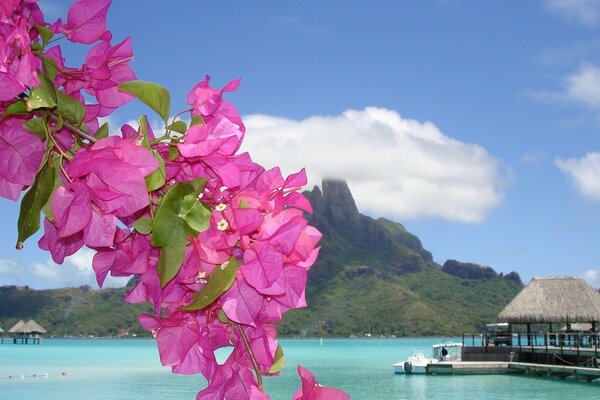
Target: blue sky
x,y
475,124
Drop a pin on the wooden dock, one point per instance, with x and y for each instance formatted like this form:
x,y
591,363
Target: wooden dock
x,y
501,367
468,367
561,371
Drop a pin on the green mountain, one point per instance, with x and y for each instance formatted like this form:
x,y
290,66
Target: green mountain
x,y
72,311
372,277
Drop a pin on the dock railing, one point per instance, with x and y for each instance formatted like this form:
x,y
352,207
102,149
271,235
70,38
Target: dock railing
x,y
548,341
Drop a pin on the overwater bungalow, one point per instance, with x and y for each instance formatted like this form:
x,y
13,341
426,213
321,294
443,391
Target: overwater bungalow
x,y
555,301
549,328
26,332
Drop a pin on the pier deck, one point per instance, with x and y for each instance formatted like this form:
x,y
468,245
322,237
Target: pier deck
x,y
501,367
468,367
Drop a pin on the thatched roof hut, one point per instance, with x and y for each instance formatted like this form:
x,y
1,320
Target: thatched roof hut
x,y
28,327
33,327
553,299
16,327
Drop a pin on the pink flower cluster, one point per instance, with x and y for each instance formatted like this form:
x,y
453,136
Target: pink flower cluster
x,y
247,247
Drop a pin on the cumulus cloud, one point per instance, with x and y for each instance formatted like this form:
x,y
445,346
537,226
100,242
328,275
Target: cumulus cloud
x,y
581,86
395,166
584,172
592,276
581,12
76,271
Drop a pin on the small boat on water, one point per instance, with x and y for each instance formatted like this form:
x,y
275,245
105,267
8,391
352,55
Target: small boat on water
x,y
418,361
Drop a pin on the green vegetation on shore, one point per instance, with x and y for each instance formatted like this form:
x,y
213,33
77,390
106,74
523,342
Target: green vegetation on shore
x,y
372,277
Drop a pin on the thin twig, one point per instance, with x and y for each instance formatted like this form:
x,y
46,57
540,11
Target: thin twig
x,y
252,358
73,128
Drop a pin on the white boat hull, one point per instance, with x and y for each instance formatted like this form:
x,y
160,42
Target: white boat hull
x,y
418,361
407,367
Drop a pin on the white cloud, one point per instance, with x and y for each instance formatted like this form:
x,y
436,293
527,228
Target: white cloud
x,y
394,166
581,12
583,86
75,271
592,276
584,172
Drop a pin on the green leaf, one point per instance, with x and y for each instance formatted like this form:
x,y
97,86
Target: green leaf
x,y
219,281
173,153
153,95
19,107
102,132
143,225
33,201
43,96
37,126
157,178
45,33
199,184
50,67
56,160
143,123
178,126
169,263
169,228
194,212
222,317
59,123
197,119
278,362
36,47
243,204
71,109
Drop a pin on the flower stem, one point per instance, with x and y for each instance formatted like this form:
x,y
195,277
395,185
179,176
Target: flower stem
x,y
73,128
252,357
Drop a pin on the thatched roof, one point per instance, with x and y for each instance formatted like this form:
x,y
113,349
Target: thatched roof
x,y
33,327
16,327
27,327
553,299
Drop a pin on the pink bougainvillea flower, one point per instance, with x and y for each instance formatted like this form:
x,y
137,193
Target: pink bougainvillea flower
x,y
100,232
20,156
107,66
206,100
220,134
262,265
241,303
311,390
232,381
18,65
86,21
59,247
114,171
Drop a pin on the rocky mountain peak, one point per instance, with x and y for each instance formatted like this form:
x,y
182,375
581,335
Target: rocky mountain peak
x,y
336,202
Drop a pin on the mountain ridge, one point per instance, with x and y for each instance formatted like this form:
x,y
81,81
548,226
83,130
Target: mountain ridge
x,y
373,277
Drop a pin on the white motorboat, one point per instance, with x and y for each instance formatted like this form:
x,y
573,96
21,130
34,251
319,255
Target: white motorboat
x,y
415,364
418,361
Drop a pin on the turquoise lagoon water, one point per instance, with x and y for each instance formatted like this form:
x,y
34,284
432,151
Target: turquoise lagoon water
x,y
130,370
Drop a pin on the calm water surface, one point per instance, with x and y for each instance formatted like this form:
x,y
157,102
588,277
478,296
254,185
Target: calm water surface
x,y
130,370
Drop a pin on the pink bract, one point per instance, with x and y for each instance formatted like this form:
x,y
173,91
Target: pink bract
x,y
109,192
86,21
20,156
